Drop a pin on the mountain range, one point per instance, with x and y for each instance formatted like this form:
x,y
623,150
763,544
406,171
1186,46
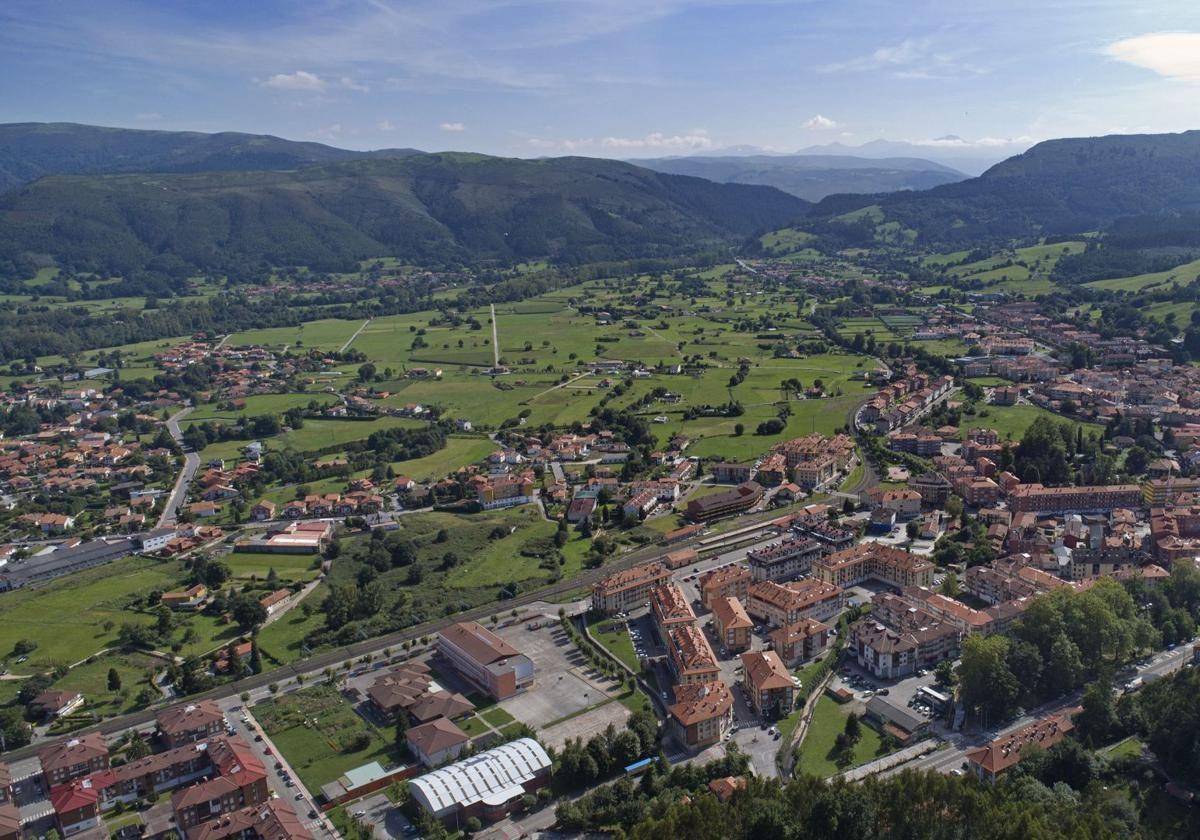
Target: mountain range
x,y
812,177
448,207
1063,186
29,151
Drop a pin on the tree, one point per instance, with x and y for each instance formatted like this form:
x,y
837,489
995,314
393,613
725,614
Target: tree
x,y
943,673
986,683
114,680
912,530
1098,723
366,373
739,429
852,729
256,665
1136,460
401,734
1064,668
950,587
248,612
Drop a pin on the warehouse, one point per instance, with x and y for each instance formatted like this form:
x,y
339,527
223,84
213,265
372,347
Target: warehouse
x,y
487,785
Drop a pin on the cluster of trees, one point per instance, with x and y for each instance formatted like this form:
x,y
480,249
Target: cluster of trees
x,y
582,764
1040,801
1048,449
1064,639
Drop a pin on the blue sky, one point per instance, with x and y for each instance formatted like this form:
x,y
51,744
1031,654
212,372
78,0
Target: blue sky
x,y
627,78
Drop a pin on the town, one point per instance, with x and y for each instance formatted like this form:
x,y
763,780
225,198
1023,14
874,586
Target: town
x,y
332,587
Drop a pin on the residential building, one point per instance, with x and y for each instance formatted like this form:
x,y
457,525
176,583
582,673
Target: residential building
x,y
732,473
800,641
73,758
731,624
190,723
871,560
485,659
738,500
781,604
768,683
1083,499
701,715
670,608
690,656
437,741
992,760
272,820
783,560
628,588
731,581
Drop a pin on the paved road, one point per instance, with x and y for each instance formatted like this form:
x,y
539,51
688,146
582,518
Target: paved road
x,y
350,340
959,743
495,338
191,462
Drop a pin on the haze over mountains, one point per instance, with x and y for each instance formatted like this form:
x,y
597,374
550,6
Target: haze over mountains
x,y
812,177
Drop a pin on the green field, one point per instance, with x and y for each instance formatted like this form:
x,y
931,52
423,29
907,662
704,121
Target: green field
x,y
614,636
315,730
1011,421
289,567
1184,275
817,752
458,452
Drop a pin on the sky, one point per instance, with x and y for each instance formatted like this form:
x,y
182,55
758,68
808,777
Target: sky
x,y
624,78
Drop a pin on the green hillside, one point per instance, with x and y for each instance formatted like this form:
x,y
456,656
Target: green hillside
x,y
439,207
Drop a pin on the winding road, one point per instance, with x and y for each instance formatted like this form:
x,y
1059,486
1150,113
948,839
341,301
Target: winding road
x,y
191,462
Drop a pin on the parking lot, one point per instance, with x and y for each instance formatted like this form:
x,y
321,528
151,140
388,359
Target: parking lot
x,y
564,683
901,693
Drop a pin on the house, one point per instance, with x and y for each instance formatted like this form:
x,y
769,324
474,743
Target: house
x,y
992,760
486,660
436,742
263,511
76,806
769,685
51,704
725,787
275,601
238,780
731,624
581,509
185,599
272,820
190,723
732,473
203,510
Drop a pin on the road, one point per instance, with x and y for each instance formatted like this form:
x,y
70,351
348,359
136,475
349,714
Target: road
x,y
191,462
959,743
350,340
495,338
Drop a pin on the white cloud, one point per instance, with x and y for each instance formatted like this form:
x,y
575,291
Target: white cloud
x,y
820,122
912,58
148,116
696,139
385,125
300,80
350,84
453,126
1175,55
953,142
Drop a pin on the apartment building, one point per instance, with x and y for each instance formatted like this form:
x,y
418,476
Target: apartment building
x,y
691,657
787,603
800,642
731,624
738,500
992,760
670,608
190,723
871,560
73,758
783,560
701,715
628,588
768,683
730,581
1035,498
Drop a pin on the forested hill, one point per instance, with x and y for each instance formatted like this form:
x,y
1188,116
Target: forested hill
x,y
812,177
425,207
1056,187
29,151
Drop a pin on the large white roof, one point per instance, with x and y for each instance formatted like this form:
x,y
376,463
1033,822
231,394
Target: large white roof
x,y
493,777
